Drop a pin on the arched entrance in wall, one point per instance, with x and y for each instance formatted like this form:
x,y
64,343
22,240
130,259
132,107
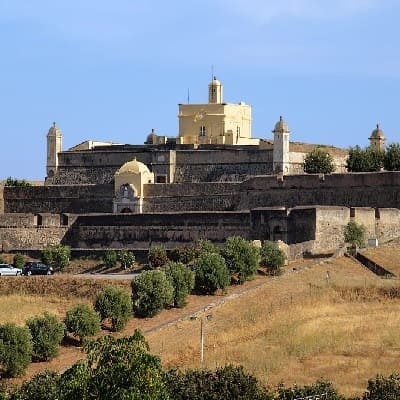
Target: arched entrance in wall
x,y
126,210
278,233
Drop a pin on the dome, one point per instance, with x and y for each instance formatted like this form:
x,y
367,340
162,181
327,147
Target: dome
x,y
54,130
281,126
150,137
215,82
377,133
133,167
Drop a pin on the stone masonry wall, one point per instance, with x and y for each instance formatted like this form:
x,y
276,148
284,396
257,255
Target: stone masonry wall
x,y
1,199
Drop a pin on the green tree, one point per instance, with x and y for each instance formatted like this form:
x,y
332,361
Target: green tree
x,y
82,321
364,160
115,369
185,254
211,273
383,387
43,386
318,161
16,182
15,349
229,382
392,157
110,258
318,388
355,233
126,258
182,280
157,257
18,260
272,257
47,333
114,304
151,292
57,256
241,257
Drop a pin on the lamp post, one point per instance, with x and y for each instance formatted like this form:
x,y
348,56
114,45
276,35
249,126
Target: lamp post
x,y
202,335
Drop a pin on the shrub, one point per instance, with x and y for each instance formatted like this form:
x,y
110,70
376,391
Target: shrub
x,y
211,273
110,258
355,233
15,349
182,280
318,161
383,387
126,258
57,256
114,304
16,182
2,260
229,382
115,369
47,333
185,254
241,257
43,386
18,260
151,292
272,257
157,257
318,388
82,321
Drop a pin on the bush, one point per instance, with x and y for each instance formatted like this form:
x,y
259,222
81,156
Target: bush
x,y
2,260
110,258
151,292
211,273
47,333
318,388
272,257
241,258
157,257
15,349
16,182
185,254
229,382
355,233
18,260
126,258
43,386
383,387
318,161
114,304
115,369
57,256
182,280
82,321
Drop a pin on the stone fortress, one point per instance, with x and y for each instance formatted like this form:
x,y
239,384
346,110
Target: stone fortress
x,y
211,181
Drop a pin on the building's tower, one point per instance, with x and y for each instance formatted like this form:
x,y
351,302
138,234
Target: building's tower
x,y
54,146
377,139
215,91
281,147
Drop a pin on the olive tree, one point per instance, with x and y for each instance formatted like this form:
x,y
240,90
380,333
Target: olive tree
x,y
355,233
114,304
151,292
272,257
82,321
182,280
318,161
57,256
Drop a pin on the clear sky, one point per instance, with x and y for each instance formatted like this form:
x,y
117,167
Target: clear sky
x,y
113,70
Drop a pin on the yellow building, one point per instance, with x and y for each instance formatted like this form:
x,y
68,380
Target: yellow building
x,y
215,122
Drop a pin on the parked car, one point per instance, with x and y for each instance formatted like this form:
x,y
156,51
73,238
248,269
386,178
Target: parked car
x,y
7,269
36,268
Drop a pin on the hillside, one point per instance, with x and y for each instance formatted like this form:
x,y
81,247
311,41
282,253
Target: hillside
x,y
321,319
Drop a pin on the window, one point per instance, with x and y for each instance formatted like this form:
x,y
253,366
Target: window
x,y
202,131
238,131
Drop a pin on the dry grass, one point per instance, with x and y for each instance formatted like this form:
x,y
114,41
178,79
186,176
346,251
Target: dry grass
x,y
298,329
387,256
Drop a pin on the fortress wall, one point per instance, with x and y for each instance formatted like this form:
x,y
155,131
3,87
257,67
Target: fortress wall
x,y
366,217
15,238
387,224
142,230
58,199
190,189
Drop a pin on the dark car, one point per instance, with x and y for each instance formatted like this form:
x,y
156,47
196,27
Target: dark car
x,y
36,268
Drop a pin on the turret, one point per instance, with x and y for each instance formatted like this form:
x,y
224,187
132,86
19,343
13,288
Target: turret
x,y
215,91
54,146
377,139
281,147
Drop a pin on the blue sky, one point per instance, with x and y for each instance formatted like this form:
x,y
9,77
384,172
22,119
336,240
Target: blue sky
x,y
114,70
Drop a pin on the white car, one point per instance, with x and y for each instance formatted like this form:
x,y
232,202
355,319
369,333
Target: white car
x,y
7,269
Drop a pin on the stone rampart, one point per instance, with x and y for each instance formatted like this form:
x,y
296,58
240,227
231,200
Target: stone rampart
x,y
55,199
1,199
